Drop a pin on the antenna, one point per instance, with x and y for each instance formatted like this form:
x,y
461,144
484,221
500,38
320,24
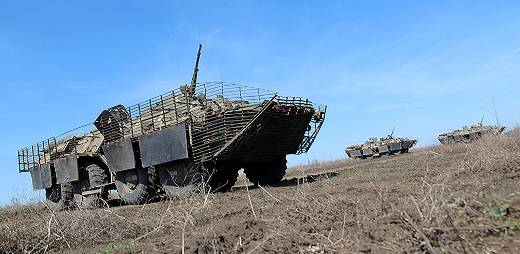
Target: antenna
x,y
482,120
392,134
496,115
195,72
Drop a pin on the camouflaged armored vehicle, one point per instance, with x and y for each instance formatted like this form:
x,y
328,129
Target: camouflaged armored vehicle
x,y
375,147
199,133
468,134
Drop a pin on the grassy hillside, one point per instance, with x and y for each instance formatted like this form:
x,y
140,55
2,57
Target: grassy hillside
x,y
457,199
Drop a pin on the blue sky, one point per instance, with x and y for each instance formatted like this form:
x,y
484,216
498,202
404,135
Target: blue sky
x,y
423,67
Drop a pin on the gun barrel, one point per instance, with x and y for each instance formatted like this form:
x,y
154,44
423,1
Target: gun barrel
x,y
195,71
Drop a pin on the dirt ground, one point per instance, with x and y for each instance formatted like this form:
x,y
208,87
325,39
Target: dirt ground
x,y
440,199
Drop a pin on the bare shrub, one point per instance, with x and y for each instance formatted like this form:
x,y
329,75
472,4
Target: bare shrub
x,y
498,153
449,148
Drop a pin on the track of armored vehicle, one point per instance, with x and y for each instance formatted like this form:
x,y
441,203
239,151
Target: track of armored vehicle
x,y
170,144
469,134
375,147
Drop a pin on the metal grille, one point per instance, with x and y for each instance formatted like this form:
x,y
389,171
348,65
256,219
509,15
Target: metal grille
x,y
209,100
36,154
215,113
281,127
229,108
178,106
315,127
50,149
211,135
111,122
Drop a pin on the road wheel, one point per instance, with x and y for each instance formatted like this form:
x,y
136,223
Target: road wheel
x,y
176,178
96,177
266,173
59,196
134,185
224,176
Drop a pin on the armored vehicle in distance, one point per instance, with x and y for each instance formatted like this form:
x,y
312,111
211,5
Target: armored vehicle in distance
x,y
375,147
198,133
471,133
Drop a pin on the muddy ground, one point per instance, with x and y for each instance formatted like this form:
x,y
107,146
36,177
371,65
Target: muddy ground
x,y
449,199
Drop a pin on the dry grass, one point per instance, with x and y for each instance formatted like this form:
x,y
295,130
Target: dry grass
x,y
441,199
474,206
498,153
35,229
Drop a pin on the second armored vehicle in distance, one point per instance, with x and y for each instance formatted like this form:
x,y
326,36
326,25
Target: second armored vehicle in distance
x,y
469,134
375,147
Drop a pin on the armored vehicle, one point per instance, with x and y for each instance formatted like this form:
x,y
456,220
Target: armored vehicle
x,y
468,134
375,147
198,134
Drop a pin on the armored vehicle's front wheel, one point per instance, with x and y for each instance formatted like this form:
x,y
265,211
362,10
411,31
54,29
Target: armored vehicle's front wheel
x,y
177,178
134,185
224,176
266,173
59,196
88,193
184,176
